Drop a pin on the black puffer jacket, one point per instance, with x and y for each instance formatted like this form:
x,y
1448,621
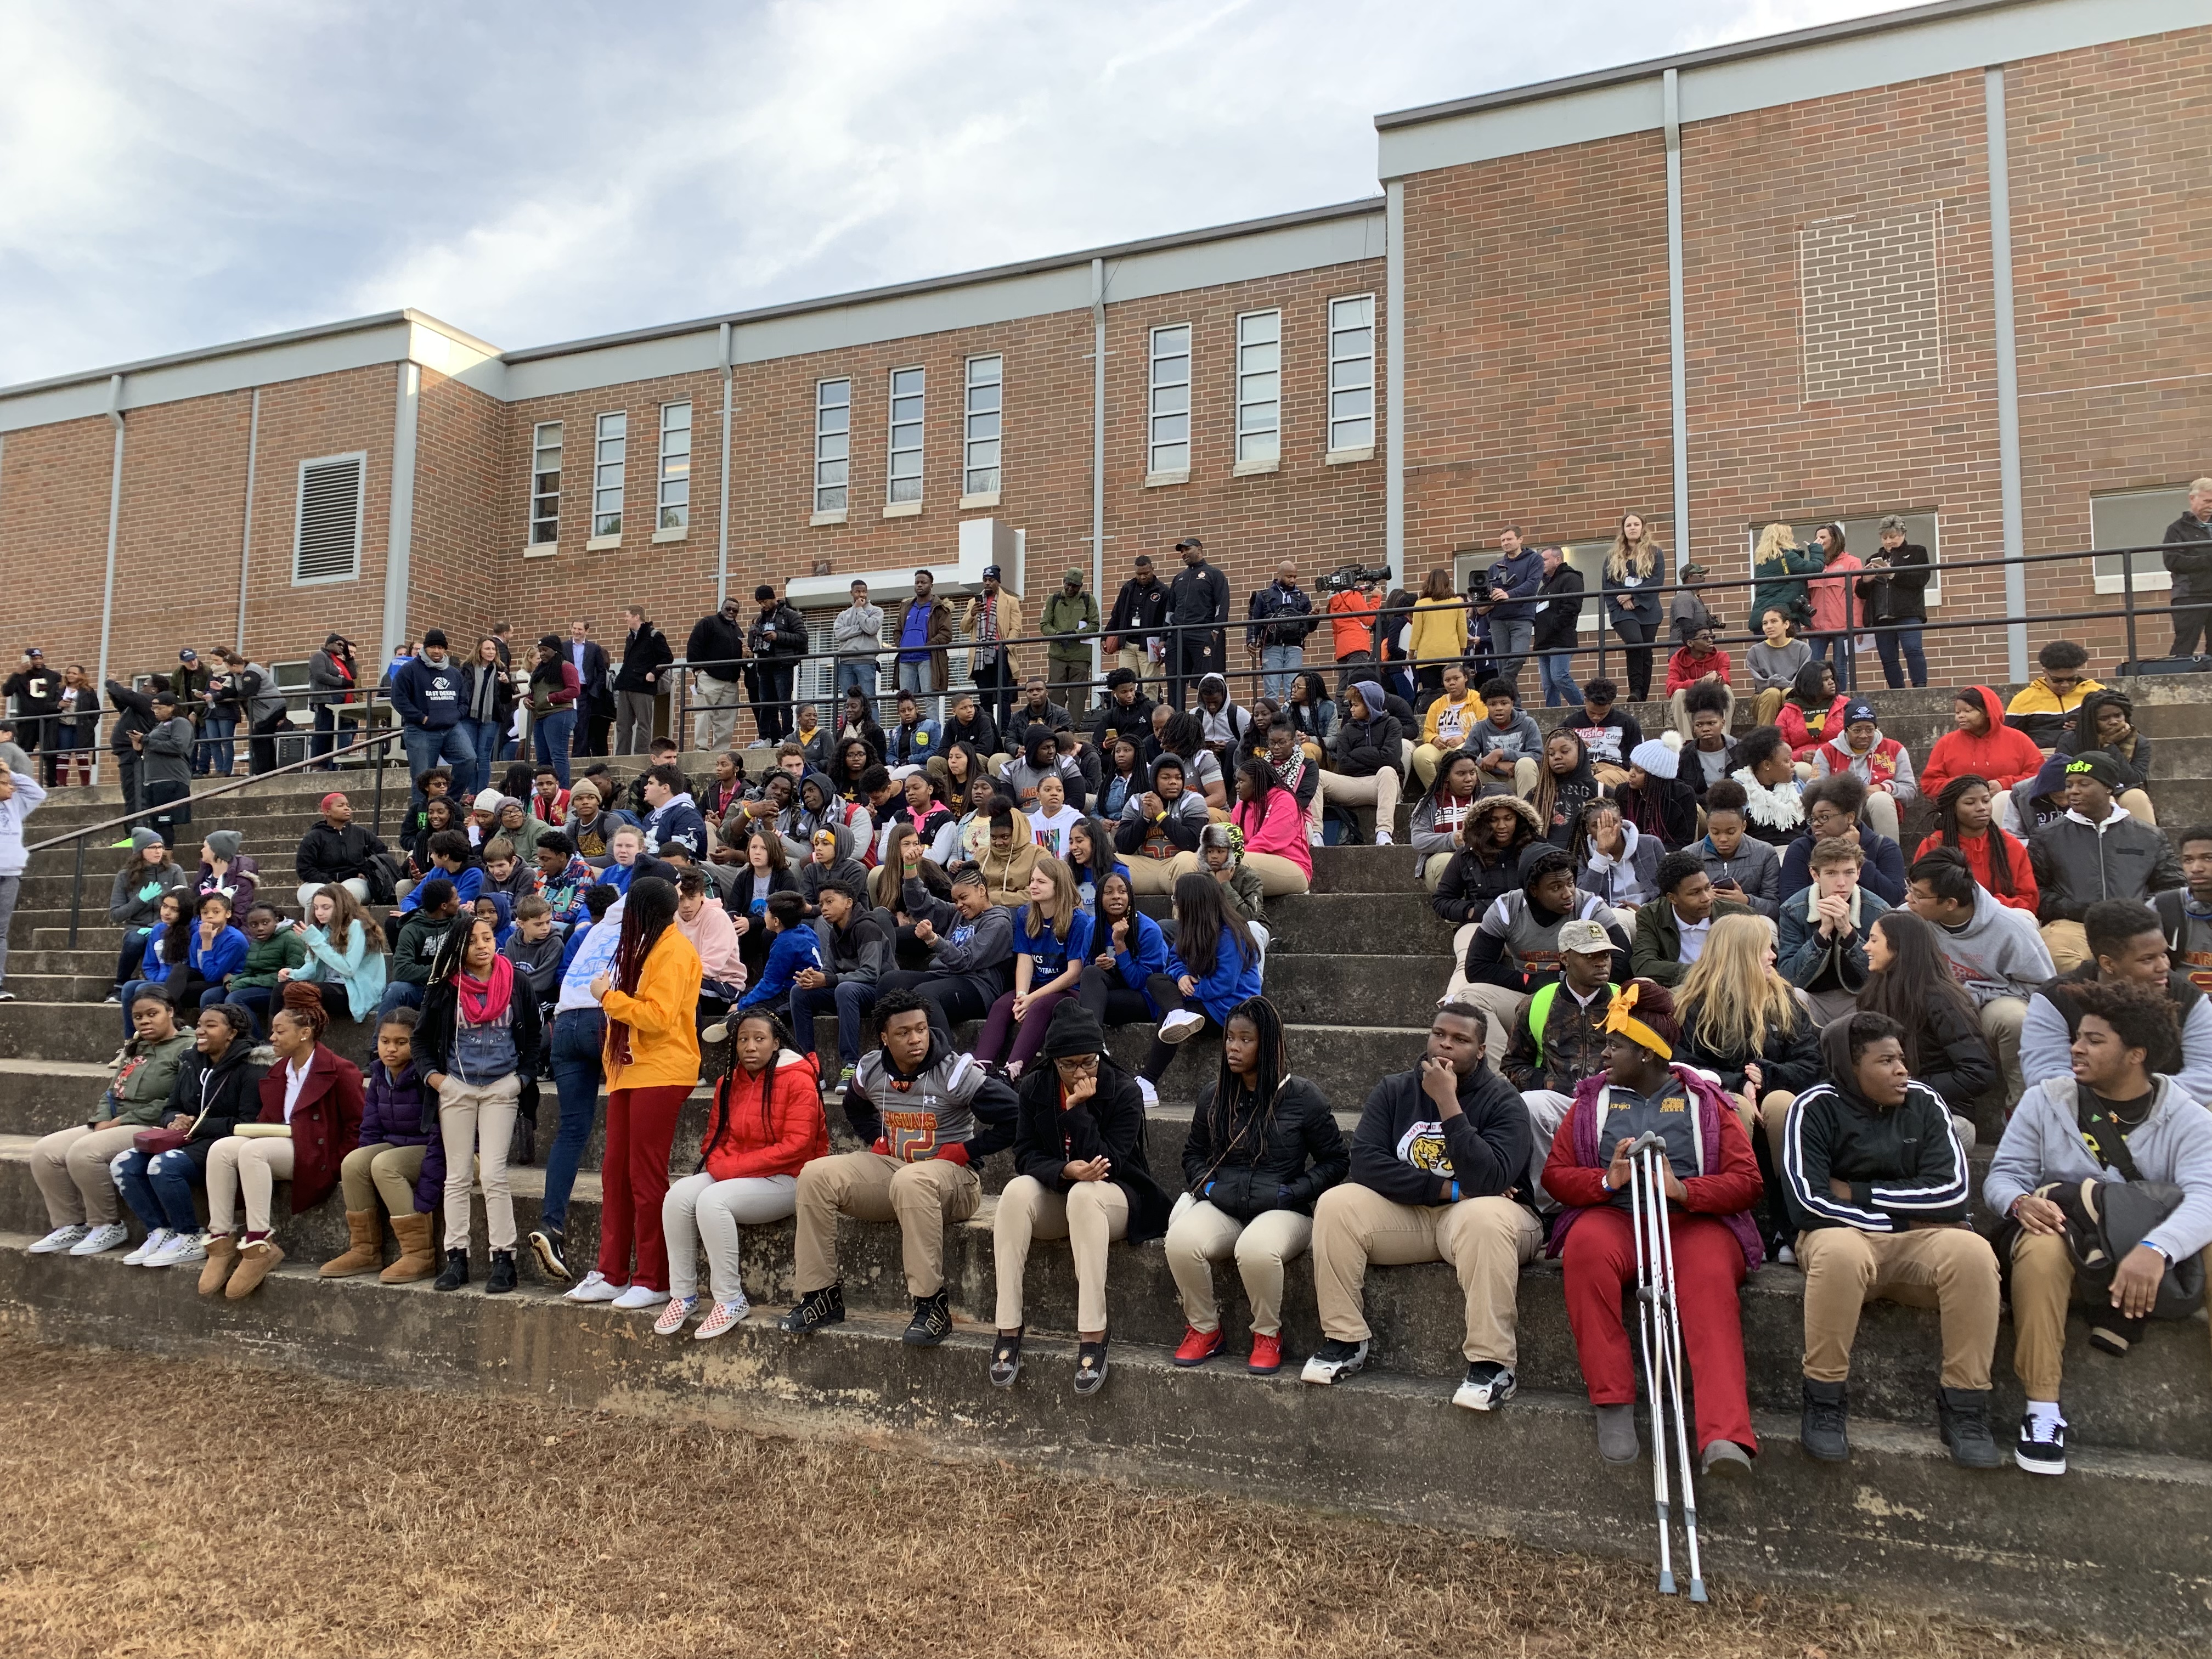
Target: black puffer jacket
x,y
1111,1124
221,1095
1790,1060
1246,1162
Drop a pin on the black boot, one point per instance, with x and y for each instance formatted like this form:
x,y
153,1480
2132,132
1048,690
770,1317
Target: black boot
x,y
815,1309
502,1273
932,1322
1962,1415
456,1273
1827,1409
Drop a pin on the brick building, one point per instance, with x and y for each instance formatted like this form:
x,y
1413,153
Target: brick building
x,y
1756,283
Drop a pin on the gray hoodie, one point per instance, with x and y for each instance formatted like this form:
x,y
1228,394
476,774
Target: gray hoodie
x,y
2046,1040
2043,1144
135,900
1999,952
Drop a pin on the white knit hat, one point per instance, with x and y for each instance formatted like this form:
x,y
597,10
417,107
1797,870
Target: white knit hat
x,y
1654,757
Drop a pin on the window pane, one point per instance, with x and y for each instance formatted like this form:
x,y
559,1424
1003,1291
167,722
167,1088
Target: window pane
x,y
832,448
983,400
1264,356
1351,313
1170,428
833,393
614,426
1359,371
981,369
982,426
1352,342
1345,404
1257,418
906,464
1259,447
1169,371
981,480
983,454
1259,326
906,409
675,416
547,482
834,420
611,477
1351,434
1171,400
828,500
906,381
678,466
830,473
1170,458
1253,388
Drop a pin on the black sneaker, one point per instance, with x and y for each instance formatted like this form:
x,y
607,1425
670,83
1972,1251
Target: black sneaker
x,y
1091,1366
1007,1359
2043,1452
455,1272
502,1273
814,1310
1488,1385
1962,1415
1334,1361
545,1245
932,1322
1828,1409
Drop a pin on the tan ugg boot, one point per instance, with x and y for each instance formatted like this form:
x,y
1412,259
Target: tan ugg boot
x,y
255,1263
365,1250
222,1257
418,1256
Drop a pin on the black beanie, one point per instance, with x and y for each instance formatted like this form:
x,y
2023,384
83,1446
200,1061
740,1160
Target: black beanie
x,y
1074,1030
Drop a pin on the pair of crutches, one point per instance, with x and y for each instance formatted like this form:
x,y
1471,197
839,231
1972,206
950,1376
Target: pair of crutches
x,y
1660,1324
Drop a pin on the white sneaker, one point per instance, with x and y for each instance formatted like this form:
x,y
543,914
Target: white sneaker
x,y
1312,833
183,1249
1182,1022
593,1288
1150,1093
101,1239
157,1241
62,1238
638,1299
1382,838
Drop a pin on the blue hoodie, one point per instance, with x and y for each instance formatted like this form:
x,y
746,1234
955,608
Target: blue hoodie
x,y
1145,954
467,886
222,958
794,949
429,694
1233,979
676,822
1520,575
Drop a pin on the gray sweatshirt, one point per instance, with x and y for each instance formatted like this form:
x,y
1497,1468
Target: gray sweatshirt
x,y
1998,952
859,631
2046,1047
1773,670
1755,866
2043,1144
167,755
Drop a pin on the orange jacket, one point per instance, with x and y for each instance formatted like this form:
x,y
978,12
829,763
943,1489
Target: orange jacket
x,y
738,1146
662,1018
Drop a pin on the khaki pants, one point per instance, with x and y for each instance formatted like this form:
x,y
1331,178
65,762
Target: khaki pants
x,y
714,719
2042,1289
1433,868
1380,792
1769,704
1072,675
1427,757
874,1187
236,1164
1155,877
2068,943
376,1170
2002,1018
477,1123
1487,1240
1279,876
1132,658
2138,806
1090,1216
1881,812
1199,1235
70,1166
1680,715
1950,1269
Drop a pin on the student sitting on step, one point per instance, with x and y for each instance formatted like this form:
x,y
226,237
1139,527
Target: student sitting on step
x,y
1834,808
1515,949
2096,852
1079,1151
1876,1184
399,1160
1214,960
2126,942
1822,947
1558,1038
1711,1184
1126,981
1052,941
2061,1169
917,1094
215,1090
1672,928
1263,1147
1439,1173
309,1120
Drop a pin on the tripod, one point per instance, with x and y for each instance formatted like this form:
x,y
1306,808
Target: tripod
x,y
1659,1323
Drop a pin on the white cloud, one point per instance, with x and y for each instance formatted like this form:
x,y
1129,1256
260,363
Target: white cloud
x,y
172,176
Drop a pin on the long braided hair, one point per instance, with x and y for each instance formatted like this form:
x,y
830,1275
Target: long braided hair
x,y
1230,1096
782,1034
1947,827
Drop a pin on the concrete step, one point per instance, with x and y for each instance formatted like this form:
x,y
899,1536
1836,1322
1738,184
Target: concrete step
x,y
1900,1514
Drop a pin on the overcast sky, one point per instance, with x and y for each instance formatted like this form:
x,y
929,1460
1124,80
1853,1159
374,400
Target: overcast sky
x,y
177,175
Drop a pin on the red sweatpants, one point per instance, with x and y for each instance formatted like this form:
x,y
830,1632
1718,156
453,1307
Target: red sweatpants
x,y
1600,1260
633,1180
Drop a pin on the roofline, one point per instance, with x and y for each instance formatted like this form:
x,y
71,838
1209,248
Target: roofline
x,y
1537,92
260,341
1360,208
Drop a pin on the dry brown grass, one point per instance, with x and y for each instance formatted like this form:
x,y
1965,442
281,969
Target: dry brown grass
x,y
191,1511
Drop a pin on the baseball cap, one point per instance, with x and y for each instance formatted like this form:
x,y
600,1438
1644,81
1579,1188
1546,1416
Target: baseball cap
x,y
190,655
2097,766
1190,542
1861,710
1073,576
1583,937
34,651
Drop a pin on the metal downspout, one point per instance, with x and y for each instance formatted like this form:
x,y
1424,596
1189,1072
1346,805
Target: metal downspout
x,y
2015,532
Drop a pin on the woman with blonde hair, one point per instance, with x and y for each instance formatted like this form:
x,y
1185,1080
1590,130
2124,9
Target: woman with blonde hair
x,y
1052,942
1779,565
1634,571
1438,631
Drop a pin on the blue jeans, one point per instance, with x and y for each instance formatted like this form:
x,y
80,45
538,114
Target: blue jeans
x,y
451,747
254,999
1891,643
1560,690
159,1190
398,993
578,1036
132,992
551,732
1510,641
216,751
1277,664
485,738
856,675
850,998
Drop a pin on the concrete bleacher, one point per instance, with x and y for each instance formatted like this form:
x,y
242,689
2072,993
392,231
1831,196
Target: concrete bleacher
x,y
1355,967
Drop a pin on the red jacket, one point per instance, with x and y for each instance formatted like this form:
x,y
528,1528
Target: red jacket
x,y
1803,739
1729,1191
325,1123
1684,670
2024,895
2001,755
738,1146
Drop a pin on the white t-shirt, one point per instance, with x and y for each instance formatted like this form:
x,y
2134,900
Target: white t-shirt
x,y
1050,829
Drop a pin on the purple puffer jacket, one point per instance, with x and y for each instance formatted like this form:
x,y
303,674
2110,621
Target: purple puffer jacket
x,y
391,1115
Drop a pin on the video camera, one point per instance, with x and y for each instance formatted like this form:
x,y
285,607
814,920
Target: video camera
x,y
1347,576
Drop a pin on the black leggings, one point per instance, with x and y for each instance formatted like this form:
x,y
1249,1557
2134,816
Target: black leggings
x,y
951,997
1111,1002
1635,640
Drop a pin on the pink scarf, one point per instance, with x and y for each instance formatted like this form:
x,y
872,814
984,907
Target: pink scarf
x,y
485,1000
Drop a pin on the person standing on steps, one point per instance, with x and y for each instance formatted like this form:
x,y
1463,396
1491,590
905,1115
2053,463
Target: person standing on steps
x,y
430,693
216,1089
165,767
2188,558
488,708
1262,1149
1876,1184
70,1166
776,640
476,1042
578,1059
1439,1173
19,796
1635,570
1282,620
309,1121
1198,608
715,651
857,637
638,683
923,633
1069,623
37,690
1080,1154
595,708
1136,628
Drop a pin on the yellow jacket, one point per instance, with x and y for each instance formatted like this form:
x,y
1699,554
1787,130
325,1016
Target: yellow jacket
x,y
1472,712
662,1018
1439,630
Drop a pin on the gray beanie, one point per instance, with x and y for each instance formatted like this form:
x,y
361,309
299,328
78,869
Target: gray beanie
x,y
225,843
142,838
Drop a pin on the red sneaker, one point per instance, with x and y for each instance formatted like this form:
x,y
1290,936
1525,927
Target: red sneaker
x,y
1198,1347
1267,1355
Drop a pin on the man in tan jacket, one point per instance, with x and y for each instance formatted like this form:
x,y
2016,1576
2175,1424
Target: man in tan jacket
x,y
994,615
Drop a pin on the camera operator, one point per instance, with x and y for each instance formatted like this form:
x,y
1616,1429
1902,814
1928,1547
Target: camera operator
x,y
1354,599
332,679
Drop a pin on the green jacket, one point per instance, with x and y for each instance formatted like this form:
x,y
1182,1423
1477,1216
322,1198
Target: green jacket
x,y
141,1090
1077,616
418,942
1782,585
287,948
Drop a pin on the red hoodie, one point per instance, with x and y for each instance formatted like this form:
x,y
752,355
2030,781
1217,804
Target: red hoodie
x,y
737,1145
2025,895
2001,755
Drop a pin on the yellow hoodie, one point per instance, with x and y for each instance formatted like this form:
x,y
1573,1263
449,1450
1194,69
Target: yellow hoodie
x,y
662,1018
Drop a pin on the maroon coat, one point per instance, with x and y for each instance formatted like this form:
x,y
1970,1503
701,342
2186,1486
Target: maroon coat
x,y
325,1124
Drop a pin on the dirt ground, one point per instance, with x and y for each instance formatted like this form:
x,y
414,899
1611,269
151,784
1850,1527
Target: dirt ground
x,y
181,1509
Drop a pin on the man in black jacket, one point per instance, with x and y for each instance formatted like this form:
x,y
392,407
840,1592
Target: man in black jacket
x,y
594,705
777,640
646,656
857,952
1125,711
37,690
2188,558
715,650
337,850
134,718
1559,612
1136,628
1440,1172
1197,597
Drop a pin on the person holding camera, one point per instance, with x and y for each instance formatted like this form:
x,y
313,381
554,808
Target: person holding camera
x,y
332,679
1352,603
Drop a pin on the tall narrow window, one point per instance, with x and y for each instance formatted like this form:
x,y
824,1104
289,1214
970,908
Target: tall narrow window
x,y
1259,386
833,439
545,483
675,466
907,384
1169,436
985,377
1351,373
609,459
